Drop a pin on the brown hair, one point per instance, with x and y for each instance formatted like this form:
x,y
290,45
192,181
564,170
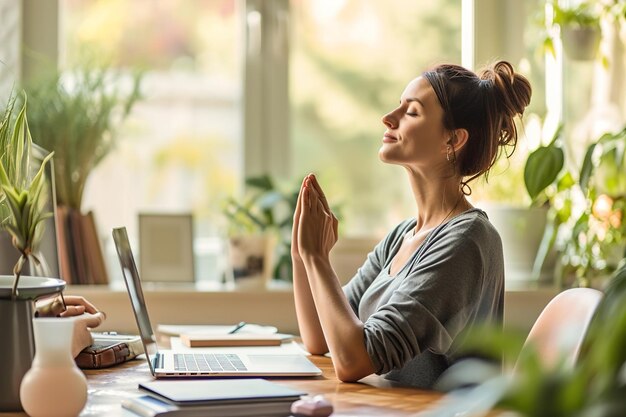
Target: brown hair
x,y
484,104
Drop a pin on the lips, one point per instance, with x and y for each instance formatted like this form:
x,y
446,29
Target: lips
x,y
389,138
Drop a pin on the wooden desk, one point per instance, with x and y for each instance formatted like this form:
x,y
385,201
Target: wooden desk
x,y
373,396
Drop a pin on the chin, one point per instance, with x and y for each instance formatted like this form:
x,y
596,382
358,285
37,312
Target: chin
x,y
385,157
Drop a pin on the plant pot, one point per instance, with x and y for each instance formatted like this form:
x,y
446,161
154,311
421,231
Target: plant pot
x,y
580,43
521,230
251,258
17,347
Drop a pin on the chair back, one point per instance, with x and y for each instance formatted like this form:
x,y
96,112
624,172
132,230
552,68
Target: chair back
x,y
560,329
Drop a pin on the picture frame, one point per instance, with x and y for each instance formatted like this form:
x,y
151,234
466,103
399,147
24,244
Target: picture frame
x,y
166,247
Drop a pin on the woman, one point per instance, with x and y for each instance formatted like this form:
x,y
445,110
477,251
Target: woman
x,y
432,275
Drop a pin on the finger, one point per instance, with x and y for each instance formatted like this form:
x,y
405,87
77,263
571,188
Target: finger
x,y
77,300
335,226
73,311
318,188
296,212
306,197
320,207
300,194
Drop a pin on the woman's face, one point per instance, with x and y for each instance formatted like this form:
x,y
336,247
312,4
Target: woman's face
x,y
415,134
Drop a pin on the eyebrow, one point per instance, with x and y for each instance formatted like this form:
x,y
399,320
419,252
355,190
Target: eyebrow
x,y
413,99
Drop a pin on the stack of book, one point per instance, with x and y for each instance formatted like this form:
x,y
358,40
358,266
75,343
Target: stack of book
x,y
219,397
80,254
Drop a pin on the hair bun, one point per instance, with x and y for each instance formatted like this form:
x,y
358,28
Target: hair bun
x,y
512,90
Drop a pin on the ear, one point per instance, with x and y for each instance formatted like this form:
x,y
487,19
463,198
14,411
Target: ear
x,y
458,139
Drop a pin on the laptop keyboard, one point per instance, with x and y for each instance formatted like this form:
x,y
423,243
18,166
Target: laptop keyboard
x,y
208,362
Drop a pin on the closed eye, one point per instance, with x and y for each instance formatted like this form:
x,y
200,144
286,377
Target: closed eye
x,y
412,114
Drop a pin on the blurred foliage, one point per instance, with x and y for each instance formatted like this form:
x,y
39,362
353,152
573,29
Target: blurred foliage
x,y
268,207
76,115
595,386
202,161
586,208
155,35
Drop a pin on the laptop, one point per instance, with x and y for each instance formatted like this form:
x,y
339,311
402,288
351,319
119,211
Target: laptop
x,y
172,364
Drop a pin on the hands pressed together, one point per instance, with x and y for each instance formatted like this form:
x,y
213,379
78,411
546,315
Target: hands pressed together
x,y
314,224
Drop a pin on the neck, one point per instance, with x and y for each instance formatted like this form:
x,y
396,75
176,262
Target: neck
x,y
436,199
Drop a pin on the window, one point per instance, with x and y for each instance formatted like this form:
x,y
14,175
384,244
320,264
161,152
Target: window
x,y
350,61
182,148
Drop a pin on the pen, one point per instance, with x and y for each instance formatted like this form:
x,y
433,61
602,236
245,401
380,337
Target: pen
x,y
237,327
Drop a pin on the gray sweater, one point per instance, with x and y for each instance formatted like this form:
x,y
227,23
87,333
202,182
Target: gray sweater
x,y
453,280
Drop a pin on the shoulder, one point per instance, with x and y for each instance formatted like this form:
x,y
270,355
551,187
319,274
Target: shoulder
x,y
471,228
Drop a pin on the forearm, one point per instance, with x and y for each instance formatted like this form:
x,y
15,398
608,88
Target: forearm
x,y
306,313
344,332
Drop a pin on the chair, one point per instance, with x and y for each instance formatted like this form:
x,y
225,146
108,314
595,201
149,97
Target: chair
x,y
560,329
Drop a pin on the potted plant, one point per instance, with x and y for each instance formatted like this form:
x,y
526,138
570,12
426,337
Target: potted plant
x,y
579,29
259,228
22,211
586,210
75,114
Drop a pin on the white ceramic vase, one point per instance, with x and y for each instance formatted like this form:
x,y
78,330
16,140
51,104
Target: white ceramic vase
x,y
54,386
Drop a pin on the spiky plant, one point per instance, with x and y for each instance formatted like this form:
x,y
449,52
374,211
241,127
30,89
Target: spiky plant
x,y
76,114
22,196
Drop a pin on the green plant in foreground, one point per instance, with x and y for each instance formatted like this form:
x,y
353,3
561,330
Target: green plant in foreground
x,y
22,200
593,387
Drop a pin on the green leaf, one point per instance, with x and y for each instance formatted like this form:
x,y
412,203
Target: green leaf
x,y
587,168
542,168
14,206
4,178
263,182
13,231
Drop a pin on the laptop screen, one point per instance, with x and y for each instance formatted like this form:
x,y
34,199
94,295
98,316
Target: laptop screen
x,y
133,284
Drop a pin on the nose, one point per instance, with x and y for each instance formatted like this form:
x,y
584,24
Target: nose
x,y
389,120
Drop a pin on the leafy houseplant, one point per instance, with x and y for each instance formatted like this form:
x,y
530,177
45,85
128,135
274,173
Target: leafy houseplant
x,y
22,199
579,29
265,209
586,213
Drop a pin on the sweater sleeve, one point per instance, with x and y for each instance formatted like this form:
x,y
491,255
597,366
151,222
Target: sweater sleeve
x,y
434,302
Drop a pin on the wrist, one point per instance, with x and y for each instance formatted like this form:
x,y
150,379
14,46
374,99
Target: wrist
x,y
316,259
